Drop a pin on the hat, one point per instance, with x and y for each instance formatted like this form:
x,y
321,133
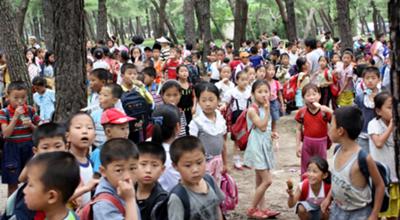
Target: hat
x,y
163,40
244,55
114,116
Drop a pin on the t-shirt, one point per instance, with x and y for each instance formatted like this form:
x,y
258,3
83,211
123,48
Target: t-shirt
x,y
233,64
71,216
223,88
45,102
312,197
312,59
345,73
315,125
170,177
86,172
256,60
275,86
214,69
242,98
170,68
146,205
101,64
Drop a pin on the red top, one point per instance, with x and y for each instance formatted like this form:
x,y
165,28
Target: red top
x,y
234,64
170,68
315,125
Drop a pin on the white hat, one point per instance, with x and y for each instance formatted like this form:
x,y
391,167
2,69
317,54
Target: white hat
x,y
162,40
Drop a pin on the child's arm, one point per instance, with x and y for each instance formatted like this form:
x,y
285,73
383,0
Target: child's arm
x,y
380,139
9,128
23,176
127,192
82,189
280,96
326,203
293,197
348,80
255,118
298,139
379,187
224,157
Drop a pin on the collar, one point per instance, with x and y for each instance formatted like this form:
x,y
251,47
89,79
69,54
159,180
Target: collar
x,y
12,109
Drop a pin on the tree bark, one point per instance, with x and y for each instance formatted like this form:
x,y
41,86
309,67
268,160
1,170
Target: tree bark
x,y
160,8
36,28
114,25
20,16
375,14
308,26
48,27
102,21
70,53
131,28
165,20
200,25
139,30
291,31
241,9
89,27
328,19
203,9
190,27
154,22
121,30
343,14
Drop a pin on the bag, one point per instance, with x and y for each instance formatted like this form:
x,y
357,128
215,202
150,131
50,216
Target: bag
x,y
334,87
324,116
160,210
136,106
290,88
306,186
16,207
86,213
230,189
194,75
384,171
240,130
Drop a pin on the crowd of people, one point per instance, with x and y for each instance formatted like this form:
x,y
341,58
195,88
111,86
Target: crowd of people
x,y
152,141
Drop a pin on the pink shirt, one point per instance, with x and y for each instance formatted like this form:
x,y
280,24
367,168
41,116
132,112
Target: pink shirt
x,y
345,73
275,87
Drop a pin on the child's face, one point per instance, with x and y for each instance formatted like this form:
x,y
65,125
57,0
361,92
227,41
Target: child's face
x,y
312,96
225,73
39,89
261,94
173,54
212,57
285,60
136,52
183,73
148,53
129,76
51,144
252,74
220,55
156,54
371,80
334,132
29,55
171,96
120,170
36,196
149,169
260,74
192,167
322,63
106,98
148,80
335,58
243,81
95,83
81,132
17,97
208,102
346,59
314,174
270,72
117,131
386,110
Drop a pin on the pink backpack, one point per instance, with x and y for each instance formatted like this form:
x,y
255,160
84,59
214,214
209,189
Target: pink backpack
x,y
229,187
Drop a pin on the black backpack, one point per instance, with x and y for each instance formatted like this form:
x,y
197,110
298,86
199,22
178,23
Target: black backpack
x,y
160,210
16,207
194,75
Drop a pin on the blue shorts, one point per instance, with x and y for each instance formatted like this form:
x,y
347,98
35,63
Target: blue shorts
x,y
15,156
275,108
314,211
358,214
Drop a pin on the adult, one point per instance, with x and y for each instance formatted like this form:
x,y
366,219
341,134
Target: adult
x,y
312,56
275,40
165,47
377,50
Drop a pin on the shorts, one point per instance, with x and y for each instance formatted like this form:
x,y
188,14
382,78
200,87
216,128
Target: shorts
x,y
358,214
394,202
275,109
314,211
14,158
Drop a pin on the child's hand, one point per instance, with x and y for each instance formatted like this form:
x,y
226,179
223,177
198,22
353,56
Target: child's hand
x,y
290,192
19,111
274,135
298,151
225,80
266,104
125,189
317,105
92,184
27,122
283,108
325,205
391,127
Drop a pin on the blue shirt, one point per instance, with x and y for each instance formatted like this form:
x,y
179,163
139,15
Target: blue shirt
x,y
45,102
256,60
100,135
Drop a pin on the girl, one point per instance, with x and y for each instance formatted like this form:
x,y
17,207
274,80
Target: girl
x,y
136,58
48,70
345,75
276,98
312,191
209,126
259,153
260,73
312,127
302,79
381,148
282,73
171,94
224,85
31,63
166,127
325,79
187,100
251,72
237,100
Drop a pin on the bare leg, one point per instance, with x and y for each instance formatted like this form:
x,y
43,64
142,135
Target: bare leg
x,y
266,181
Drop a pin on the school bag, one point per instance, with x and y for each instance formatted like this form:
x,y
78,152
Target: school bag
x,y
301,121
290,88
194,75
16,207
86,213
305,187
160,210
230,189
240,130
334,87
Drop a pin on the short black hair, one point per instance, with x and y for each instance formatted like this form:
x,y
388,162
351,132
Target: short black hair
x,y
60,172
183,145
48,130
350,119
310,86
311,42
127,66
371,69
157,46
152,148
150,71
17,85
100,73
147,49
39,81
118,149
116,90
253,50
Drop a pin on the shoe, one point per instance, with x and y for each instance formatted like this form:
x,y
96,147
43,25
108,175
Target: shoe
x,y
270,213
237,163
254,213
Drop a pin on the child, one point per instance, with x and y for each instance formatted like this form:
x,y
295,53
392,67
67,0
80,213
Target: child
x,y
381,144
312,191
187,100
118,164
282,73
210,127
225,84
157,62
345,75
18,120
52,179
365,101
150,167
251,73
171,64
255,59
276,99
312,127
130,81
350,191
188,157
216,66
303,79
259,153
166,128
97,79
44,99
324,80
151,85
261,73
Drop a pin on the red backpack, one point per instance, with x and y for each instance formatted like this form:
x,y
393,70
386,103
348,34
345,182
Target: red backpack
x,y
306,186
240,129
86,213
334,87
290,88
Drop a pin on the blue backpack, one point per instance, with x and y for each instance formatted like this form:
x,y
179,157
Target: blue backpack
x,y
16,207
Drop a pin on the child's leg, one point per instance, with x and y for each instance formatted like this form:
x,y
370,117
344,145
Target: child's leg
x,y
302,212
261,204
266,181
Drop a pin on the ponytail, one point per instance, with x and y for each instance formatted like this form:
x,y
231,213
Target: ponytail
x,y
165,118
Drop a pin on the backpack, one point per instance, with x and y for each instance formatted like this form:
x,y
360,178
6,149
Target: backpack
x,y
290,88
334,87
86,213
16,207
160,210
240,130
301,121
230,189
305,187
194,75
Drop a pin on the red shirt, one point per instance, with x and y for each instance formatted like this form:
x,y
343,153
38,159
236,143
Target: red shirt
x,y
234,64
170,68
314,125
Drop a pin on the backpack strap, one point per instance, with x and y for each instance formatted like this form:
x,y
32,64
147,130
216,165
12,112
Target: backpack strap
x,y
327,187
109,197
304,190
182,194
210,180
237,103
302,113
362,163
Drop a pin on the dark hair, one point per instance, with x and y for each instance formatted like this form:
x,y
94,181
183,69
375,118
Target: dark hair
x,y
311,42
310,86
33,50
147,49
118,149
170,84
116,90
348,52
153,149
380,100
284,54
125,55
150,71
101,74
184,144
371,69
98,53
156,46
48,130
206,86
189,46
179,68
350,119
131,53
127,66
47,58
17,85
68,124
229,45
238,74
60,171
253,50
258,83
39,81
166,117
323,57
300,62
322,165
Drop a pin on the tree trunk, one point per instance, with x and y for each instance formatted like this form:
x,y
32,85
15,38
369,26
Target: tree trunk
x,y
343,14
203,9
309,21
291,31
114,25
200,25
96,21
325,22
383,25
328,19
70,48
218,30
20,16
131,28
394,21
154,23
375,13
48,27
190,27
362,25
102,21
241,9
232,6
315,29
165,20
89,27
36,28
148,27
121,30
139,30
160,8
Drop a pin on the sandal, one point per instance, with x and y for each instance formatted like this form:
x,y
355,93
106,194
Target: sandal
x,y
270,213
254,213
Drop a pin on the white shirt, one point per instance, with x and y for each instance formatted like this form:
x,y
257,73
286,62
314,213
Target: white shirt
x,y
223,87
241,97
170,177
214,70
293,58
86,171
210,127
101,64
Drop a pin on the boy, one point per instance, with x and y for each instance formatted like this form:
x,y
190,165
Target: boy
x,y
130,81
150,167
157,62
43,98
115,125
188,158
118,164
18,120
52,179
216,66
151,86
365,101
171,64
350,192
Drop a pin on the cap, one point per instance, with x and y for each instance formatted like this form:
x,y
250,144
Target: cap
x,y
163,40
244,55
114,116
